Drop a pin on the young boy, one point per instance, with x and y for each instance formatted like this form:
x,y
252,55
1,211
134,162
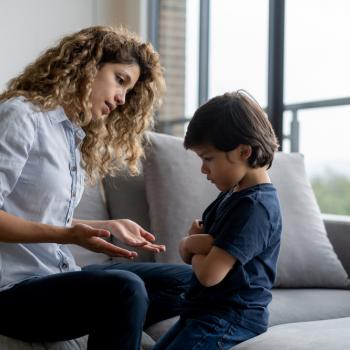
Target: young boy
x,y
233,249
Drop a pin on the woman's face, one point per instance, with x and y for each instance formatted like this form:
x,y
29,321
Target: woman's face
x,y
110,86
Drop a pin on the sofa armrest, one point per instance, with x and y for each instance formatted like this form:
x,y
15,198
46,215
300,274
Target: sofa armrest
x,y
338,230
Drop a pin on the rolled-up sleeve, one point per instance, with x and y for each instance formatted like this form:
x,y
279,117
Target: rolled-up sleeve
x,y
17,133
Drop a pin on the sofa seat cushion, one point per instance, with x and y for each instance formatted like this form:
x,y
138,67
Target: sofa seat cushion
x,y
155,331
321,335
290,306
301,305
7,343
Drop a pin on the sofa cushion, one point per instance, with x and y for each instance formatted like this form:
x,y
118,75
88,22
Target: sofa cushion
x,y
177,193
7,343
338,230
126,199
155,331
307,258
92,206
312,304
290,306
320,335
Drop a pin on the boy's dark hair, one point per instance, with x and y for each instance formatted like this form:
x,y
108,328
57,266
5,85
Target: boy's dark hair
x,y
232,119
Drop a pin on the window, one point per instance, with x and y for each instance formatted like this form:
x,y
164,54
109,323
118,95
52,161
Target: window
x,y
316,119
317,60
238,50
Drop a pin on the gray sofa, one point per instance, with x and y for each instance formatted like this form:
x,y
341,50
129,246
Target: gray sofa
x,y
311,299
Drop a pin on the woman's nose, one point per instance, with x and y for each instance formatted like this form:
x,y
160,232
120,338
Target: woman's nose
x,y
119,98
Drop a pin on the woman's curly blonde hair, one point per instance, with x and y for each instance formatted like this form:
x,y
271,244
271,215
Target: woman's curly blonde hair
x,y
63,76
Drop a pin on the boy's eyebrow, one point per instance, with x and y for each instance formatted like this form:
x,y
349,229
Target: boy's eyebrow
x,y
203,153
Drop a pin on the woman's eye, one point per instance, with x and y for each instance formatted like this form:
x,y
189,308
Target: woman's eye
x,y
119,79
207,159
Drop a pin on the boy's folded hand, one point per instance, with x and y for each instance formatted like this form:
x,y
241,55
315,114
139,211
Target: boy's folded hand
x,y
196,228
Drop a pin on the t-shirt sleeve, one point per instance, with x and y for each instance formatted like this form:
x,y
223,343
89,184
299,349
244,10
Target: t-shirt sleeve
x,y
245,232
17,133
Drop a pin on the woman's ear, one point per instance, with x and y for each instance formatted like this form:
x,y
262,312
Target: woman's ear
x,y
245,151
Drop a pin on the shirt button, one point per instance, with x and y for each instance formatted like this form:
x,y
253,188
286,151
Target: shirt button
x,y
74,168
74,194
64,266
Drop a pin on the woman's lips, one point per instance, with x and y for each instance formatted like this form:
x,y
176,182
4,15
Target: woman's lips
x,y
110,106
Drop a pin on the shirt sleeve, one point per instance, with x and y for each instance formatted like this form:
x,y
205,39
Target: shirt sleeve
x,y
17,134
245,233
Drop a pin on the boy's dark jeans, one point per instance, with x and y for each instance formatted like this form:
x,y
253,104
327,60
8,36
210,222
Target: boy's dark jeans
x,y
207,332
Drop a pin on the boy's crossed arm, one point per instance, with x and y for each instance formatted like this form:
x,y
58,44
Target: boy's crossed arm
x,y
195,244
209,263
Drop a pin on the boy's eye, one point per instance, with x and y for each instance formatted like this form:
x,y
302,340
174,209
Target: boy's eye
x,y
207,159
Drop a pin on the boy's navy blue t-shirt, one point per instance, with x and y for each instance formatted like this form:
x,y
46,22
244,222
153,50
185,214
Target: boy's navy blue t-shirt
x,y
246,224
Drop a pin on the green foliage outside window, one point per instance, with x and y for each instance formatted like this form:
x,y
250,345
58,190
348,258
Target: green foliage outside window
x,y
332,191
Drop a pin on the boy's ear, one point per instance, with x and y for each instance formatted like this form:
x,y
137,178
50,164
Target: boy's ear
x,y
245,151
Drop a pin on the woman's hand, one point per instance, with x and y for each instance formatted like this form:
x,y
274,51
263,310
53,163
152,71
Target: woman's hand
x,y
132,234
92,238
196,228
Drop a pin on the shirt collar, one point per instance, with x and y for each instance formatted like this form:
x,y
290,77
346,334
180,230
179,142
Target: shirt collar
x,y
58,116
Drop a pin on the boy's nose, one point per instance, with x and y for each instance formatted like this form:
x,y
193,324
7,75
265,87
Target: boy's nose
x,y
204,170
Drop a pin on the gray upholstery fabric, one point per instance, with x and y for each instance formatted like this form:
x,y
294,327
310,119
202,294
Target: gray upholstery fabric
x,y
91,207
301,305
7,343
307,258
126,199
290,306
316,335
338,230
147,342
177,193
158,329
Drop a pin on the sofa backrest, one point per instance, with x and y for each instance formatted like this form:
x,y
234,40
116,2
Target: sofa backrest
x,y
170,192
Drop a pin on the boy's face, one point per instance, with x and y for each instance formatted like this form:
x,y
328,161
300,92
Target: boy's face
x,y
224,169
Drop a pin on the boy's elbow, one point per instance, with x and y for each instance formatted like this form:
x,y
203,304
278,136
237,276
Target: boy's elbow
x,y
207,280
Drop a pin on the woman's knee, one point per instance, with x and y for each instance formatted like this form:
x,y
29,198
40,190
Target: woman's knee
x,y
122,285
131,289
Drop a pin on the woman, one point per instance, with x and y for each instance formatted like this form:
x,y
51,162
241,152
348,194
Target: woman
x,y
81,108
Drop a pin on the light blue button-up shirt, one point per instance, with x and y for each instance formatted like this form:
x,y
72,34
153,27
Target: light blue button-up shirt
x,y
40,180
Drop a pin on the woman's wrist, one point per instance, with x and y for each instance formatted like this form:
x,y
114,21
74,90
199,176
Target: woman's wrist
x,y
104,224
57,234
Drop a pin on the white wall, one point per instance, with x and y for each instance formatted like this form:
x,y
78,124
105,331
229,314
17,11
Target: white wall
x,y
28,27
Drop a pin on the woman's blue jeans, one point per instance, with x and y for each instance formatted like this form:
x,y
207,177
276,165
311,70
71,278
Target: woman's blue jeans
x,y
110,303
